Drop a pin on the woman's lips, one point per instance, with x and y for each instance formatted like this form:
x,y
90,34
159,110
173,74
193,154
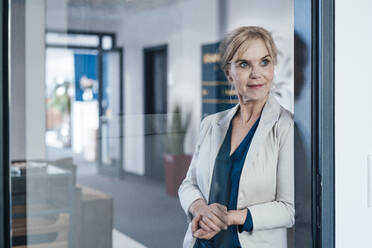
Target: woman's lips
x,y
255,86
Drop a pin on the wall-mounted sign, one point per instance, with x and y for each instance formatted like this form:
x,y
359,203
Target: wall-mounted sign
x,y
217,94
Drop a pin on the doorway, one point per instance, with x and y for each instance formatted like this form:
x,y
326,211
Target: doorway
x,y
84,114
155,102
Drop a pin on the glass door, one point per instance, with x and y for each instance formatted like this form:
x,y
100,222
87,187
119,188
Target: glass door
x,y
110,143
61,201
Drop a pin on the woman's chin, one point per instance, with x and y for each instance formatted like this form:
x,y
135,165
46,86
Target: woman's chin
x,y
252,98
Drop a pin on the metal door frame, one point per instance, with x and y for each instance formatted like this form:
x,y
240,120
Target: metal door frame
x,y
5,210
314,123
115,172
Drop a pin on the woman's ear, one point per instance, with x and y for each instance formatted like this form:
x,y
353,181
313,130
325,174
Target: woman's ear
x,y
228,75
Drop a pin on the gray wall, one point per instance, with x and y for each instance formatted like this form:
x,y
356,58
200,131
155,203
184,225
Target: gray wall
x,y
18,80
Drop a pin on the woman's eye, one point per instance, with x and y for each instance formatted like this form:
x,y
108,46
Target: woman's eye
x,y
265,62
243,65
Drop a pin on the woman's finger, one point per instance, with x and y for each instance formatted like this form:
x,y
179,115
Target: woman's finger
x,y
195,222
222,216
220,206
199,233
203,225
211,224
216,220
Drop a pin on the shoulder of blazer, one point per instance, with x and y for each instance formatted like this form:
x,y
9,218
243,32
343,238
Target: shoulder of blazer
x,y
285,117
211,120
204,127
285,123
216,117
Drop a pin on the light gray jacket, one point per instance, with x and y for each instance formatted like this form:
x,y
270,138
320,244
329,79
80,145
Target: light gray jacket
x,y
266,184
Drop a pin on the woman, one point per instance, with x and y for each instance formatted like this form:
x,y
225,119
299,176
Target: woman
x,y
239,189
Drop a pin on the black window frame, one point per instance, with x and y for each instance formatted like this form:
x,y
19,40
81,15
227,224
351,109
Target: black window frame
x,y
5,211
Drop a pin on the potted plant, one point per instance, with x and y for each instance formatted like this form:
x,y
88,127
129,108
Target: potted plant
x,y
176,162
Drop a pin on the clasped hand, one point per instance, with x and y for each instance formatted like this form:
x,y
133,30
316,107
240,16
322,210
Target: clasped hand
x,y
208,220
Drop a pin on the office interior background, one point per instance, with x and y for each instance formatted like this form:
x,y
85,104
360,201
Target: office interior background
x,y
106,99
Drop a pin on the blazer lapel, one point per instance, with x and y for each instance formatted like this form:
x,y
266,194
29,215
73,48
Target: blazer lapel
x,y
269,116
219,131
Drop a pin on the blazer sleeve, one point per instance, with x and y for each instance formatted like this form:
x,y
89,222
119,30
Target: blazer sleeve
x,y
281,212
189,191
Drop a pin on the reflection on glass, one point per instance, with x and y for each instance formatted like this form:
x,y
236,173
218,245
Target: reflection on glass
x,y
107,99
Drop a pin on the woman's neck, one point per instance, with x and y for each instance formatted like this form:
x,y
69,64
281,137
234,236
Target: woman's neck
x,y
250,109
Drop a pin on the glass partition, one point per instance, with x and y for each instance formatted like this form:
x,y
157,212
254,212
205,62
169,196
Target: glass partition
x,y
107,101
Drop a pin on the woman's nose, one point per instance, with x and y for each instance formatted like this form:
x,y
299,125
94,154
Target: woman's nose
x,y
254,72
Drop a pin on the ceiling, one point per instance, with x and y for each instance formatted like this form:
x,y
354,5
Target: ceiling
x,y
120,4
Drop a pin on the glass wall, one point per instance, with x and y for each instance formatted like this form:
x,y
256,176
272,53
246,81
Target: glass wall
x,y
107,98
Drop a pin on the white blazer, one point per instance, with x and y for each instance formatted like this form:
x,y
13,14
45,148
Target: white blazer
x,y
266,184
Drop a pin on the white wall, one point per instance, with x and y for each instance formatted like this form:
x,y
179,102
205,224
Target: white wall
x,y
353,122
185,26
35,79
56,14
278,18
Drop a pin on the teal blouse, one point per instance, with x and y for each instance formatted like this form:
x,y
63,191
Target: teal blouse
x,y
225,188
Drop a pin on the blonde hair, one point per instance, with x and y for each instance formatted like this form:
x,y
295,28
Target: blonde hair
x,y
237,40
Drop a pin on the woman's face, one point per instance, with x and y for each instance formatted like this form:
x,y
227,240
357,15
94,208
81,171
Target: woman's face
x,y
251,71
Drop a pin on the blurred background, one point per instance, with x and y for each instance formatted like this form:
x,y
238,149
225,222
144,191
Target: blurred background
x,y
106,101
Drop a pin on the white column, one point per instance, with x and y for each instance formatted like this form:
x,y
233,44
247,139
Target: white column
x,y
35,79
56,14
